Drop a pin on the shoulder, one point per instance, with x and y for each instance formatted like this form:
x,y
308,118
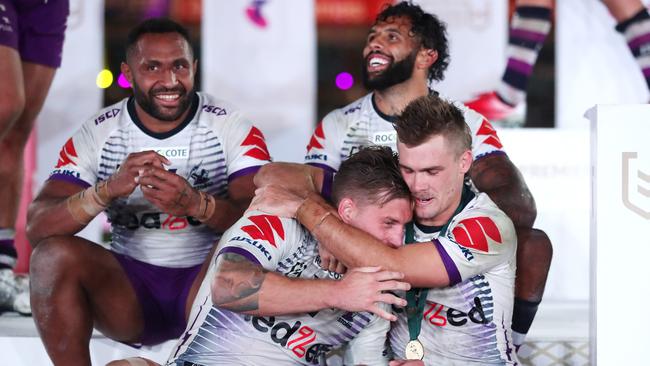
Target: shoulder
x,y
215,111
482,221
351,112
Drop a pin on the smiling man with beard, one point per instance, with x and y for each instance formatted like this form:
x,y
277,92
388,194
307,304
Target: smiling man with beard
x,y
173,169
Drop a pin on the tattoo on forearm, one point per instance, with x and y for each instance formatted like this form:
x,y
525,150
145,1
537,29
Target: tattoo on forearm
x,y
237,283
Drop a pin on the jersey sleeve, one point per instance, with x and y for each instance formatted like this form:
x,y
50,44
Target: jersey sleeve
x,y
77,159
485,140
262,239
369,346
478,239
324,148
246,148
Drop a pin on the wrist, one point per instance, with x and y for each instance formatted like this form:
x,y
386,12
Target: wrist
x,y
205,208
311,212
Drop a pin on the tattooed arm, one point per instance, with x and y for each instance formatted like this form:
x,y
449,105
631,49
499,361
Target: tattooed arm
x,y
242,286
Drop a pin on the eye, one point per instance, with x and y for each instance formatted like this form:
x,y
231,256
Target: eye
x,y
152,68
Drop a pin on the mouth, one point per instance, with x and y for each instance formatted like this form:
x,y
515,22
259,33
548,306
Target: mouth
x,y
422,201
168,98
377,62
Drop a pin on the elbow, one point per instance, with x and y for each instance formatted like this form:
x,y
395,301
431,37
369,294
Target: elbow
x,y
527,211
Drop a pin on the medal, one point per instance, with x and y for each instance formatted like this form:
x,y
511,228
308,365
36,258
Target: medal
x,y
414,350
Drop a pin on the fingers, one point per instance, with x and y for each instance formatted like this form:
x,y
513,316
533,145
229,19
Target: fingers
x,y
366,269
340,268
149,157
382,313
390,299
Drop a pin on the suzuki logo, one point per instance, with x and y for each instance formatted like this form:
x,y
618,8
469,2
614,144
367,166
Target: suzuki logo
x,y
640,185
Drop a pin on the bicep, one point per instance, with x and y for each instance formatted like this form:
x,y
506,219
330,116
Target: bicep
x,y
422,265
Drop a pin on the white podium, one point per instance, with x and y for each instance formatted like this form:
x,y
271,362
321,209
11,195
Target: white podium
x,y
620,234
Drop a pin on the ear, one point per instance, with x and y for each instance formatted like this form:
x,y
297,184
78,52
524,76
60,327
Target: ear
x,y
126,70
196,65
426,57
347,209
465,161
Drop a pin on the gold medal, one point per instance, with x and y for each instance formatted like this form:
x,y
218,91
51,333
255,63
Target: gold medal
x,y
414,350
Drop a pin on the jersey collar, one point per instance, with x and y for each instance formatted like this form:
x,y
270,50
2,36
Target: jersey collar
x,y
130,107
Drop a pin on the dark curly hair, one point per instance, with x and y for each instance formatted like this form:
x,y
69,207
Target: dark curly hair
x,y
154,25
430,30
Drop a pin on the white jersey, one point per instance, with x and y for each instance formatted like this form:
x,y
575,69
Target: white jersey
x,y
211,147
468,322
216,336
344,131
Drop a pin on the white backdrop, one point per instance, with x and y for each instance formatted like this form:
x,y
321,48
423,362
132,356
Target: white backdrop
x,y
264,61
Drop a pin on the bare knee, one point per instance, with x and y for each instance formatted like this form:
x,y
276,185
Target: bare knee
x,y
12,106
52,260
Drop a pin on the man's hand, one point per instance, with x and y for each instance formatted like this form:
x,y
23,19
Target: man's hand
x,y
168,191
362,288
277,201
123,181
329,262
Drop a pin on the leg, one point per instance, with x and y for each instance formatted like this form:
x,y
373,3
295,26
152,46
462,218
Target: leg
x,y
198,281
75,285
534,254
529,27
12,102
634,23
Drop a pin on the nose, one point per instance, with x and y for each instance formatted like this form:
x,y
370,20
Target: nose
x,y
395,237
417,183
170,78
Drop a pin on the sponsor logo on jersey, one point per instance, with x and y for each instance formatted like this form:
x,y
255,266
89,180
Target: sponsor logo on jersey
x,y
254,243
486,129
66,172
171,152
300,339
352,109
316,138
67,154
384,138
214,110
198,175
259,150
474,232
107,115
433,314
151,220
254,13
264,228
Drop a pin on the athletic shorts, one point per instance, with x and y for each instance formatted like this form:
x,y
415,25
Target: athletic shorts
x,y
35,28
162,293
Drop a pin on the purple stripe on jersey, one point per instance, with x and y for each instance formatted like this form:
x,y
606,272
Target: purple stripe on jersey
x,y
70,179
243,252
528,35
326,190
326,168
646,71
450,266
638,41
243,172
520,66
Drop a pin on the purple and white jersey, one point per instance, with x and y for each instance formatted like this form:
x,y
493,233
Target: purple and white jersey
x,y
216,336
345,130
214,145
468,322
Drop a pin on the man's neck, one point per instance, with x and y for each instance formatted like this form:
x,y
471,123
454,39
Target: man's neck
x,y
393,100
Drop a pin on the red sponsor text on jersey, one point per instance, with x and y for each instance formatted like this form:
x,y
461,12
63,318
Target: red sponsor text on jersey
x,y
259,151
264,228
474,231
314,143
67,153
486,129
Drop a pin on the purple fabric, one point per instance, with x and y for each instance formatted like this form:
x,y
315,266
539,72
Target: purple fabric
x,y
646,72
520,66
640,40
163,294
450,266
244,253
37,29
326,190
70,179
245,171
528,35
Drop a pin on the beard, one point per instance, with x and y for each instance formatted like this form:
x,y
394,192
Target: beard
x,y
147,102
398,72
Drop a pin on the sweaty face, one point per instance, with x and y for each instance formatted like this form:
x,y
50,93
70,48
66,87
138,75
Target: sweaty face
x,y
384,222
435,181
162,73
390,53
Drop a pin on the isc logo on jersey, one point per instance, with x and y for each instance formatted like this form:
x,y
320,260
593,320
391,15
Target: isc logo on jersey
x,y
172,152
300,339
